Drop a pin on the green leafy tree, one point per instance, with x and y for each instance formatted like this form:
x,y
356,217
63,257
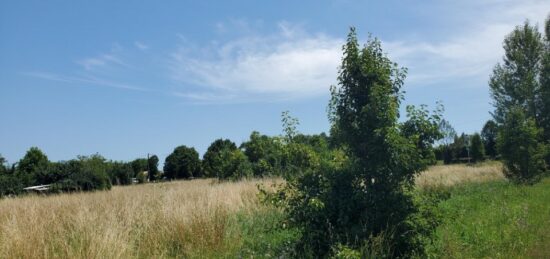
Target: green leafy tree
x,y
370,194
522,81
183,163
3,166
514,82
489,135
448,135
264,153
121,173
139,165
544,96
460,148
10,184
32,169
298,158
213,160
477,151
424,129
87,173
290,125
522,153
235,166
152,167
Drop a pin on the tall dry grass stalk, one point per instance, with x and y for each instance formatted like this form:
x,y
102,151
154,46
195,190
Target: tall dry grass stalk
x,y
448,175
177,219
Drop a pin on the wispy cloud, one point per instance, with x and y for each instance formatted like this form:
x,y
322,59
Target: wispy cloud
x,y
89,80
295,64
287,64
472,50
292,63
100,61
141,45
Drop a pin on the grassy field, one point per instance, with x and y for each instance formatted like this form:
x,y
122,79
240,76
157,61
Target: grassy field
x,y
495,220
485,217
198,218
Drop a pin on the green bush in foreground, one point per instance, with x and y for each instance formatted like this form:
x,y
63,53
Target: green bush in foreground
x,y
370,196
522,153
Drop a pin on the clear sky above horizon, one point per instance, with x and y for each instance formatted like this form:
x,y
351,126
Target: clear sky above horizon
x,y
127,78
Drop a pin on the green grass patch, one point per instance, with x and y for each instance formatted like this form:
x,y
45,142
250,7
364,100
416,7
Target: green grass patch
x,y
261,233
495,220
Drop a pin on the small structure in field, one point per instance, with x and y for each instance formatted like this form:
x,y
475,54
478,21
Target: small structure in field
x,y
38,188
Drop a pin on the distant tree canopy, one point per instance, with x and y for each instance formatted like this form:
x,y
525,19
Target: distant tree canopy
x,y
477,150
264,152
152,167
120,173
489,135
182,163
32,169
213,160
139,165
224,160
424,129
520,89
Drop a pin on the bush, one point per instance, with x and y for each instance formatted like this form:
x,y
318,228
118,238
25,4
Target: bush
x,y
121,173
91,174
183,163
213,163
522,153
10,185
264,153
423,128
235,165
370,194
477,151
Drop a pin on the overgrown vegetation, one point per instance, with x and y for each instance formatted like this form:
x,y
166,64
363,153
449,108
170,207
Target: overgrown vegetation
x,y
519,87
346,206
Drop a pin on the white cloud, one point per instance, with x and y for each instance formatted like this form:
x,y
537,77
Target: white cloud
x,y
90,80
141,46
100,61
294,64
471,51
288,64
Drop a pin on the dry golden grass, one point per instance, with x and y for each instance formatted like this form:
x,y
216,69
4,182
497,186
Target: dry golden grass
x,y
166,220
184,218
448,175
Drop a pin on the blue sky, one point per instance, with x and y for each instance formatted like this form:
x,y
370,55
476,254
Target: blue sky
x,y
127,78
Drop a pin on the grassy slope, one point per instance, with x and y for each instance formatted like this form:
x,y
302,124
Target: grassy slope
x,y
497,220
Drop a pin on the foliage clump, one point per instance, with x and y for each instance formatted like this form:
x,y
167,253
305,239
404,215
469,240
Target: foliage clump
x,y
523,155
370,194
182,163
520,88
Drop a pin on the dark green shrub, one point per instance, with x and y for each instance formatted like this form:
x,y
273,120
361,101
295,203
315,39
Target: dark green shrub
x,y
370,194
183,163
489,136
212,161
121,173
424,130
522,153
477,151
